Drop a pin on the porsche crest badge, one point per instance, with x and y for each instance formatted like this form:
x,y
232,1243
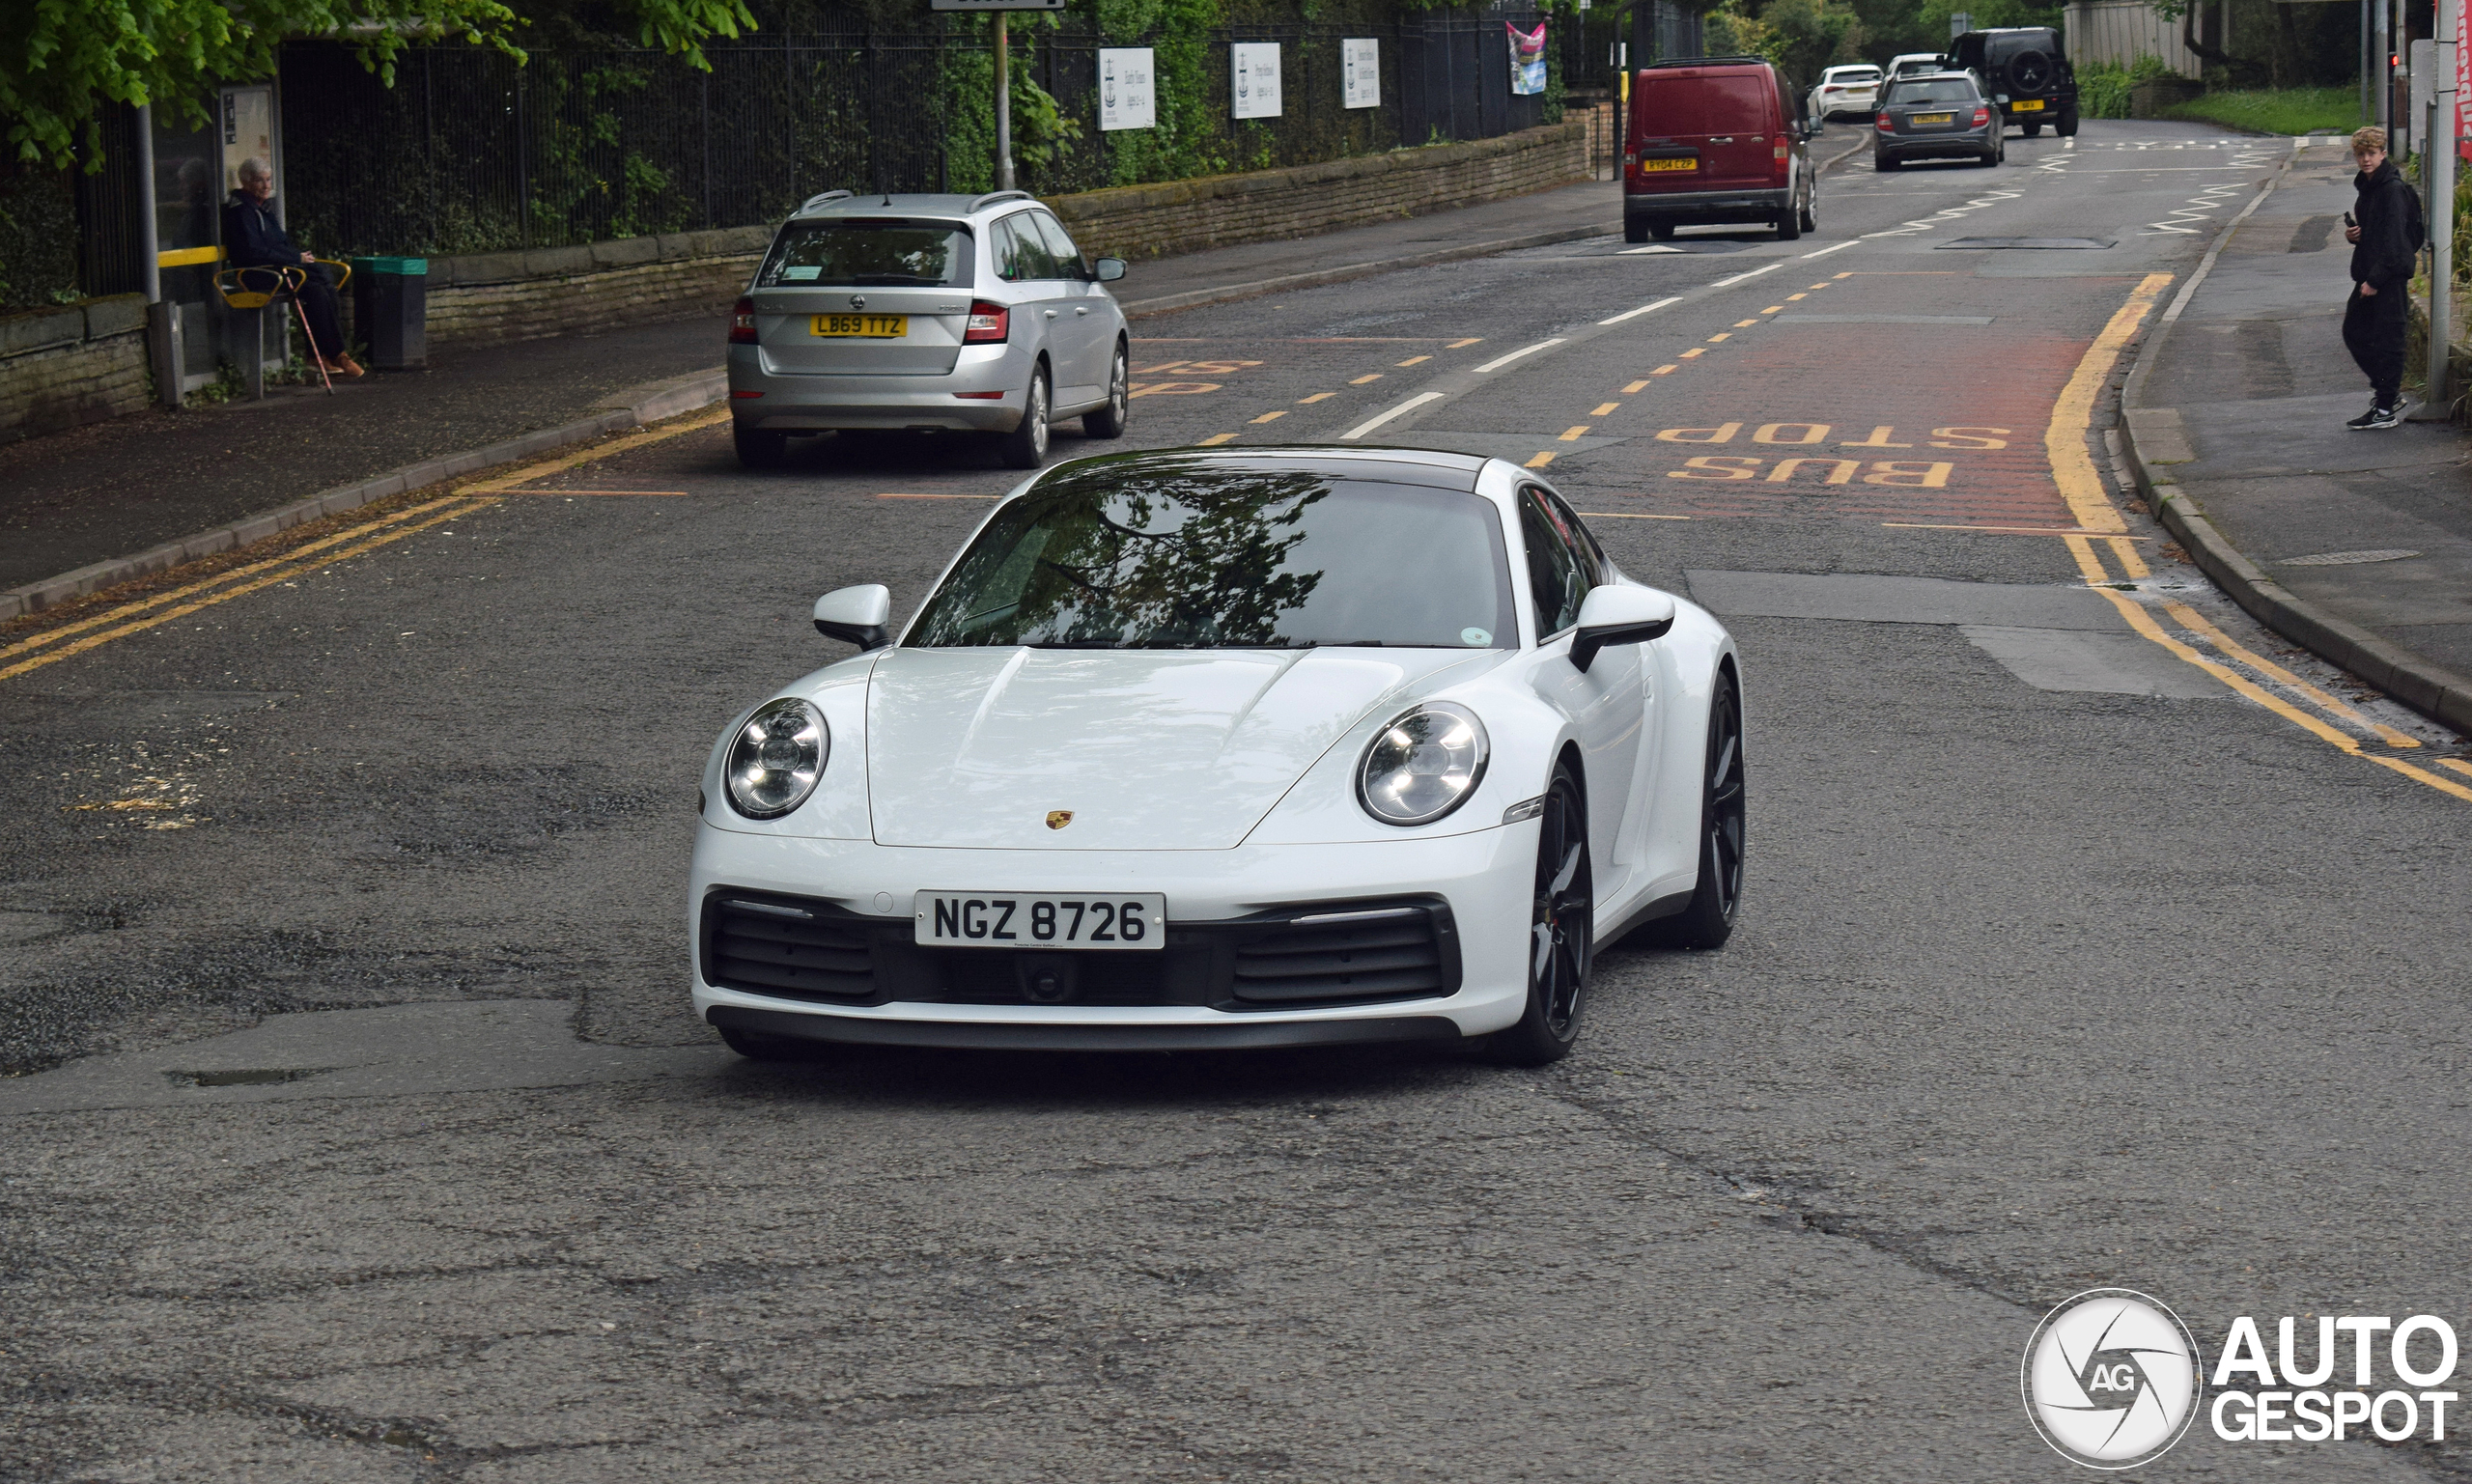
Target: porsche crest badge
x,y
1057,819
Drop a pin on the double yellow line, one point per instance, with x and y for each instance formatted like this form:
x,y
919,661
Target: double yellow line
x,y
54,645
2073,468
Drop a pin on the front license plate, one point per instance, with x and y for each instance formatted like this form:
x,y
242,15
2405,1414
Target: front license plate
x,y
1013,920
867,327
2026,106
1933,118
1669,164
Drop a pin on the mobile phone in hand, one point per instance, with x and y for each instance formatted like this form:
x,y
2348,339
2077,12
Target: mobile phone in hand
x,y
2347,220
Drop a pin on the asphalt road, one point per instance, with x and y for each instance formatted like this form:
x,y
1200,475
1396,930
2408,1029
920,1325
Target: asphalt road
x,y
363,1131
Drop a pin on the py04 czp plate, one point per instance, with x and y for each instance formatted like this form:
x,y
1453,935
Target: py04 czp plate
x,y
1013,920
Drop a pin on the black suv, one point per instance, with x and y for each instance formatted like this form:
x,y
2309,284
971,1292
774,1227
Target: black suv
x,y
2026,72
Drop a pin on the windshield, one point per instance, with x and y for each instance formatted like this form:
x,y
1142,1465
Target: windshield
x,y
1942,92
849,254
1199,558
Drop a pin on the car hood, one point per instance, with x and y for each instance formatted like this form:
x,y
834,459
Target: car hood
x,y
1148,749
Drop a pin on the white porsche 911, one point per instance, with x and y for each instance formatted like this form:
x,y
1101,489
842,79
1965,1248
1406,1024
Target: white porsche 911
x,y
1215,748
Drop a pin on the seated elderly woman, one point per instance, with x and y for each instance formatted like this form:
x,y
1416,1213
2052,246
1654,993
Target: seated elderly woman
x,y
252,238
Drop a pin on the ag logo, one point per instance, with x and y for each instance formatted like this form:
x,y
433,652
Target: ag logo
x,y
2111,1378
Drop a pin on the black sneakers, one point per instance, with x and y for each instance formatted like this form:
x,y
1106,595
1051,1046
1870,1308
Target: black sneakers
x,y
2376,418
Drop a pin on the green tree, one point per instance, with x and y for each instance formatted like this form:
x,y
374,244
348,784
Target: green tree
x,y
70,59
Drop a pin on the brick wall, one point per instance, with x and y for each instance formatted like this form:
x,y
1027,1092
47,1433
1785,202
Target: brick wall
x,y
60,367
566,291
1180,217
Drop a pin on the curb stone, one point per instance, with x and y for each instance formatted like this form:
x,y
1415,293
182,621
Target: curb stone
x,y
670,398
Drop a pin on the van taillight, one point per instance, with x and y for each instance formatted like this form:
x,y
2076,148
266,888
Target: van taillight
x,y
742,323
988,322
1781,152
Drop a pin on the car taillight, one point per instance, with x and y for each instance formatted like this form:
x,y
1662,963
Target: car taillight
x,y
1887,125
1982,117
988,322
742,323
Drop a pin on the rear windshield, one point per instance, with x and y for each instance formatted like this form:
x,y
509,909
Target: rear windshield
x,y
850,254
1714,104
1855,74
1939,90
1197,558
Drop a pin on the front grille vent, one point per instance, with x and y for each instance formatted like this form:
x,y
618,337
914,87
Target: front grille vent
x,y
798,950
1339,956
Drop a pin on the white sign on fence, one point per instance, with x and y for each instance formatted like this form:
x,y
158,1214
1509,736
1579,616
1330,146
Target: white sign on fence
x,y
1361,73
1125,97
1255,83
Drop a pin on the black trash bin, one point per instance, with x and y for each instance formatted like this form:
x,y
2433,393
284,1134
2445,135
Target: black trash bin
x,y
390,308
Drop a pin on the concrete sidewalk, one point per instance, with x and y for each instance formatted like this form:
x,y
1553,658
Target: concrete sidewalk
x,y
112,500
2358,545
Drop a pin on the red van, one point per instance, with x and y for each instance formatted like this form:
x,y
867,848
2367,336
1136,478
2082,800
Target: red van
x,y
1716,139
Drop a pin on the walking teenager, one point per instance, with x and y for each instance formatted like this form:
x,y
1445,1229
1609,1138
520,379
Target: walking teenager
x,y
2385,232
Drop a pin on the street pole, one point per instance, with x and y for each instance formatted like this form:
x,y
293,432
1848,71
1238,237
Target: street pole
x,y
2439,150
2384,117
1004,107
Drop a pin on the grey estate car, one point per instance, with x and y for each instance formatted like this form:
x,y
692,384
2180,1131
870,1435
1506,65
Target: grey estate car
x,y
971,314
1936,116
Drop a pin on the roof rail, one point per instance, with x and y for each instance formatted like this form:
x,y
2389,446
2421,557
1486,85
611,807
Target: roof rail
x,y
812,202
1703,60
1001,195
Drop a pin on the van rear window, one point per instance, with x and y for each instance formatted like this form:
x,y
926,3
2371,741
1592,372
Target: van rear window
x,y
1704,106
866,253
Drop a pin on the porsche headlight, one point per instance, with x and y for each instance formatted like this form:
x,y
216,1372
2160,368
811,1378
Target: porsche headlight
x,y
777,759
1423,764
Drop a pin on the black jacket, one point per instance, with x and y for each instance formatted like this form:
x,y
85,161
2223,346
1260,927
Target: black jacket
x,y
2387,250
252,236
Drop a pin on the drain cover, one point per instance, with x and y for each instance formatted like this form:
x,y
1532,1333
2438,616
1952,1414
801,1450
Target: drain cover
x,y
2033,244
2344,558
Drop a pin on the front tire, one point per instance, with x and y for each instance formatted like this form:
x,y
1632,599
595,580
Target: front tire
x,y
1561,934
1025,446
1108,421
1717,897
759,450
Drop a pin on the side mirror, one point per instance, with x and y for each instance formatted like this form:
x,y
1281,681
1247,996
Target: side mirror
x,y
1108,269
859,615
1619,614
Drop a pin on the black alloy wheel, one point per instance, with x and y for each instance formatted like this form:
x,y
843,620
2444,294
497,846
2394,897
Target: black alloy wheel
x,y
1108,422
1561,932
1025,446
1717,897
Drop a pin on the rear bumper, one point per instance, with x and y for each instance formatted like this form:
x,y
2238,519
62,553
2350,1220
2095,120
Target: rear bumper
x,y
1969,144
981,1035
1708,206
771,402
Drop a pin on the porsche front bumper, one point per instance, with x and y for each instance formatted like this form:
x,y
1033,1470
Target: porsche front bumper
x,y
1474,891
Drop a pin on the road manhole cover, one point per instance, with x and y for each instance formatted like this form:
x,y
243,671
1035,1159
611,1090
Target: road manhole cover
x,y
2344,558
2033,244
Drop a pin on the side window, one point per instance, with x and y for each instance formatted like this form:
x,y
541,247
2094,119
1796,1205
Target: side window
x,y
1556,579
1068,257
1583,547
1004,251
1030,254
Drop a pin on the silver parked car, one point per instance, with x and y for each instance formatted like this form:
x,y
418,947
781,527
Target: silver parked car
x,y
969,314
1937,116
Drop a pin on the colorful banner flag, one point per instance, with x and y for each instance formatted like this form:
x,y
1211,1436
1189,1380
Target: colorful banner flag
x,y
1526,58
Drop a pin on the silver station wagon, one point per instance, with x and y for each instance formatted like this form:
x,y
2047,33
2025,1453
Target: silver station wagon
x,y
971,314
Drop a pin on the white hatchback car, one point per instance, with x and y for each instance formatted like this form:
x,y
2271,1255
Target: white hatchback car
x,y
1216,750
1844,91
971,314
